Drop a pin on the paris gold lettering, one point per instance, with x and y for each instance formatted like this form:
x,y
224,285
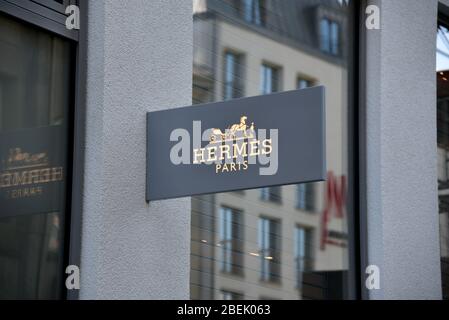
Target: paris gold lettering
x,y
231,167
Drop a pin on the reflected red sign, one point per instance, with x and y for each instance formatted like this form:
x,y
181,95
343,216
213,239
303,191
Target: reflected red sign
x,y
334,208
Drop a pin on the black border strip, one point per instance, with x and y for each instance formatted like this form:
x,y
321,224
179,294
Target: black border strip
x,y
73,238
355,158
49,20
361,221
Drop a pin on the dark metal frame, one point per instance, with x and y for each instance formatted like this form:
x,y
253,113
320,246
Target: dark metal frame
x,y
79,121
353,280
359,156
443,19
56,6
40,15
50,16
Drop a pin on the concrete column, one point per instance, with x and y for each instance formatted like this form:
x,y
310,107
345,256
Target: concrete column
x,y
139,60
401,147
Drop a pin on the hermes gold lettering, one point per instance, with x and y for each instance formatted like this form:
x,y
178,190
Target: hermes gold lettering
x,y
214,153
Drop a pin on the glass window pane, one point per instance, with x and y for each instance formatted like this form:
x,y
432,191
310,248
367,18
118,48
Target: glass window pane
x,y
277,231
335,37
248,10
233,76
325,35
303,84
35,77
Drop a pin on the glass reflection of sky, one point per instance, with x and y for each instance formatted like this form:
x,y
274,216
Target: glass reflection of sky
x,y
442,49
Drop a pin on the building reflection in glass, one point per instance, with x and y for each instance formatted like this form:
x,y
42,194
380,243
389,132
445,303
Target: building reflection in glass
x,y
35,82
288,242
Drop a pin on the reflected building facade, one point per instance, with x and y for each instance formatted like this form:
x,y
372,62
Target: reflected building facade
x,y
286,242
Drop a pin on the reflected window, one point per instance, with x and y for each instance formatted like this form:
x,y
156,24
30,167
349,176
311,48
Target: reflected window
x,y
306,197
269,79
231,238
269,249
233,77
325,35
330,36
304,83
303,253
254,11
272,194
230,295
335,38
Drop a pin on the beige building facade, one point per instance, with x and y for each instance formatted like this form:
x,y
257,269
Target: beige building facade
x,y
214,38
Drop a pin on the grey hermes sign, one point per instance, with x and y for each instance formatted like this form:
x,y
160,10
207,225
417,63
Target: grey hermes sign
x,y
269,140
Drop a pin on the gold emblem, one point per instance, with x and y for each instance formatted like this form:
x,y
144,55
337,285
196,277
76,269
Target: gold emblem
x,y
235,132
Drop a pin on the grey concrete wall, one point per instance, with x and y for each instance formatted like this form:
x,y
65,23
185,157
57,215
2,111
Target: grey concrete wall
x,y
401,151
139,59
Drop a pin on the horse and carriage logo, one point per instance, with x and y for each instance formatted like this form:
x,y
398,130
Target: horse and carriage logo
x,y
239,131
